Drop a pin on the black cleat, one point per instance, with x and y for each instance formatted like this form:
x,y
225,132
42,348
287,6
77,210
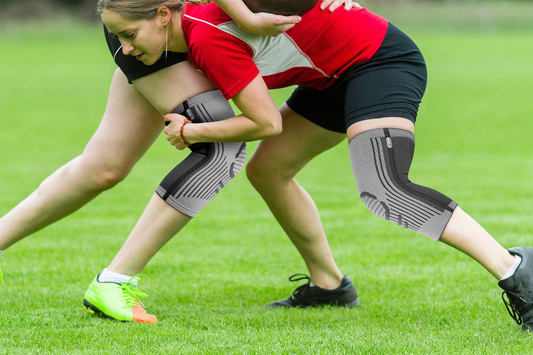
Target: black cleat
x,y
519,289
311,296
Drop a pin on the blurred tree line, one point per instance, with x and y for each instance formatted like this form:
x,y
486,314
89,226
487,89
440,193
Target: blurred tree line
x,y
61,3
85,9
71,3
32,9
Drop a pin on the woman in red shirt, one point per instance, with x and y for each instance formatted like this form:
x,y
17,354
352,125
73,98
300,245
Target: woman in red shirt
x,y
131,122
359,77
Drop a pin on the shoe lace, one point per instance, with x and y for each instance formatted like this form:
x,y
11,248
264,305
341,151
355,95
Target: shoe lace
x,y
513,305
300,290
130,292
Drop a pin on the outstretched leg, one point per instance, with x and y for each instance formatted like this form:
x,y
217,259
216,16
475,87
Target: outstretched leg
x,y
381,151
129,126
181,195
185,190
466,235
131,123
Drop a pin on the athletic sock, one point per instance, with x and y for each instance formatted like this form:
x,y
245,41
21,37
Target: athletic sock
x,y
513,268
110,276
2,252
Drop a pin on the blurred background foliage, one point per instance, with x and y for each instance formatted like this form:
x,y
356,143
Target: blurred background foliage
x,y
17,10
479,14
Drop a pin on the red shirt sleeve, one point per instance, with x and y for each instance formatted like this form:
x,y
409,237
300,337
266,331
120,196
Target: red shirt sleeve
x,y
224,59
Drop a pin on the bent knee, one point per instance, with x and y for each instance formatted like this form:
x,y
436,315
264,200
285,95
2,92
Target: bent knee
x,y
381,160
269,173
259,174
108,178
253,171
102,175
199,177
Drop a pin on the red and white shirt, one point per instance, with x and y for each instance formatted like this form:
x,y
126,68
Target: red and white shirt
x,y
313,53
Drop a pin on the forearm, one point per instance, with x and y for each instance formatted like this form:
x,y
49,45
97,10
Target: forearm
x,y
236,129
238,11
260,119
263,23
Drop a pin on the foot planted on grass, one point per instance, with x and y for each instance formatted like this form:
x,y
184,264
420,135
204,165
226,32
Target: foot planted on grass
x,y
310,296
118,301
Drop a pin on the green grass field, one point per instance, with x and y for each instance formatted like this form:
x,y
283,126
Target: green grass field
x,y
209,284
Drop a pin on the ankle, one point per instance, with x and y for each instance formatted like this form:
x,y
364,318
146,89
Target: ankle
x,y
327,282
110,276
511,270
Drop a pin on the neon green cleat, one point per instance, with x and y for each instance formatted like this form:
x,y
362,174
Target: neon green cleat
x,y
1,276
117,301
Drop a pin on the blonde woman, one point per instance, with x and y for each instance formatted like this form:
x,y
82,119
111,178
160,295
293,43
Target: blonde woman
x,y
131,122
360,78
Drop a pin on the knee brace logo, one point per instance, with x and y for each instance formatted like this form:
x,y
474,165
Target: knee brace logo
x,y
189,115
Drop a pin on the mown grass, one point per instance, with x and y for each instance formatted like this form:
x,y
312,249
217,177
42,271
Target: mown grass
x,y
208,285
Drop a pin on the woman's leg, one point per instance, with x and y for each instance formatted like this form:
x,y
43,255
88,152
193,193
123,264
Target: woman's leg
x,y
169,87
466,235
381,151
157,225
209,167
129,126
187,188
461,231
271,170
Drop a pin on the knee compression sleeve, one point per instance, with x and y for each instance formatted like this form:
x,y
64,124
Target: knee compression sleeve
x,y
210,166
381,159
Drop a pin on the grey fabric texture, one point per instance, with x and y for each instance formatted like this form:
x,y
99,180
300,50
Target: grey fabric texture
x,y
210,166
381,159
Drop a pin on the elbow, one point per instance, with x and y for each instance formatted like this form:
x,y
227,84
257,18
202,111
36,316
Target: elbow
x,y
274,131
274,128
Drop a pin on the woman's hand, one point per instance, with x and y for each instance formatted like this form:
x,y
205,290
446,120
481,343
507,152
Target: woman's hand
x,y
260,119
334,4
174,125
264,23
260,23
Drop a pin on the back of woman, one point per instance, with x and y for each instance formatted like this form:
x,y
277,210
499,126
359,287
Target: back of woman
x,y
314,53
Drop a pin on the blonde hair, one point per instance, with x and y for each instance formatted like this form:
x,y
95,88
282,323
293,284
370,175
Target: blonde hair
x,y
142,9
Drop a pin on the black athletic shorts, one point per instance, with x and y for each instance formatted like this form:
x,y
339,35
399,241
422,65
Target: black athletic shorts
x,y
133,68
390,84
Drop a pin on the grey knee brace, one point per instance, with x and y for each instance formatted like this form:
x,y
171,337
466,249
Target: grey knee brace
x,y
210,166
381,159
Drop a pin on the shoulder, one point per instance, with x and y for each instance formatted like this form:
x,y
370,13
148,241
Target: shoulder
x,y
213,30
204,24
206,13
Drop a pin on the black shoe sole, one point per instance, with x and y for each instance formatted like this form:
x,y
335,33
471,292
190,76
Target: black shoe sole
x,y
279,304
93,309
353,304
